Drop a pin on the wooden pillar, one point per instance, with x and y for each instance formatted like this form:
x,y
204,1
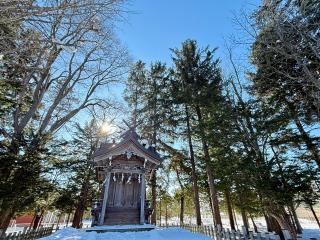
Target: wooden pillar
x,y
154,197
142,192
105,198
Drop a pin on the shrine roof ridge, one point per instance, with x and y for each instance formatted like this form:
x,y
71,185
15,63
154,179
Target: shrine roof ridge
x,y
129,135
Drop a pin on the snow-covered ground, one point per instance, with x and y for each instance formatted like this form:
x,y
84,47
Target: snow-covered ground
x,y
311,233
310,230
156,234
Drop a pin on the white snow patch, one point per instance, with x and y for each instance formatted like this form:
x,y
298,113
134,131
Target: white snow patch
x,y
156,234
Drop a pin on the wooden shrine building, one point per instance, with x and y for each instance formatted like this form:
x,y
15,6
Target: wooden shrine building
x,y
123,169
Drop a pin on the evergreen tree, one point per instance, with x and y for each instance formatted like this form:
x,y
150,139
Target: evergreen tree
x,y
83,145
286,58
197,83
146,96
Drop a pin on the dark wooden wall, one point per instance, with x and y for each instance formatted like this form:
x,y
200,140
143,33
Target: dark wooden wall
x,y
123,194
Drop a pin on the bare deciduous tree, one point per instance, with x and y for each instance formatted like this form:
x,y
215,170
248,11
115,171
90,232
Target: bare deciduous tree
x,y
60,54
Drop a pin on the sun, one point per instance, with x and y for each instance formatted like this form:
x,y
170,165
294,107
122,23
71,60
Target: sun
x,y
107,128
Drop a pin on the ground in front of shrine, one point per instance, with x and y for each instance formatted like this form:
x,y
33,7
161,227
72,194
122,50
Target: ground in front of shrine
x,y
156,234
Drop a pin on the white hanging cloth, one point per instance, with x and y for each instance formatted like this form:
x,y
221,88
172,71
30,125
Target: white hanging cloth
x,y
114,177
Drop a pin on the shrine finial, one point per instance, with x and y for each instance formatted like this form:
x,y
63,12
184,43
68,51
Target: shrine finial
x,y
133,123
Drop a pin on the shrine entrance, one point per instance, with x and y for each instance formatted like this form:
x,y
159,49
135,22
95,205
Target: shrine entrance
x,y
122,169
126,195
123,206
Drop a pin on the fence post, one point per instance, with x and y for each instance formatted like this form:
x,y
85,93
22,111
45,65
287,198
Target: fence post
x,y
266,235
208,230
14,236
244,231
250,235
33,233
238,234
216,230
219,232
223,233
259,236
18,235
227,234
211,231
233,235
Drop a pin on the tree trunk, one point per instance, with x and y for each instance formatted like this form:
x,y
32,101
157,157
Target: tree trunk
x,y
229,207
296,219
36,221
160,213
181,210
41,219
275,227
292,220
33,218
77,219
244,219
5,217
181,197
268,223
212,187
213,194
166,216
284,221
314,214
194,177
235,218
210,204
254,224
68,219
154,197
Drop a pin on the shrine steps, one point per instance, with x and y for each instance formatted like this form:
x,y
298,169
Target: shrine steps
x,y
122,228
122,216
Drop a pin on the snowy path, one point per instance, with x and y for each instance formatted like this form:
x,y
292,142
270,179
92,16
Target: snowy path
x,y
157,234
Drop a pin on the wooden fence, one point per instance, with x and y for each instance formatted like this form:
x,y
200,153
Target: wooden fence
x,y
28,234
219,233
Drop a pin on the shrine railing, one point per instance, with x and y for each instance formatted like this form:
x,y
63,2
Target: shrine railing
x,y
218,233
28,234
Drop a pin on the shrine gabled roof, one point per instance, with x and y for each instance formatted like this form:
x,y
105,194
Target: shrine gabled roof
x,y
128,138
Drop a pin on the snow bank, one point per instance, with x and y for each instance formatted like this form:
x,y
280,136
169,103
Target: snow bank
x,y
156,234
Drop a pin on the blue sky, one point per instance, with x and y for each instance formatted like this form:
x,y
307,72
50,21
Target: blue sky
x,y
154,26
